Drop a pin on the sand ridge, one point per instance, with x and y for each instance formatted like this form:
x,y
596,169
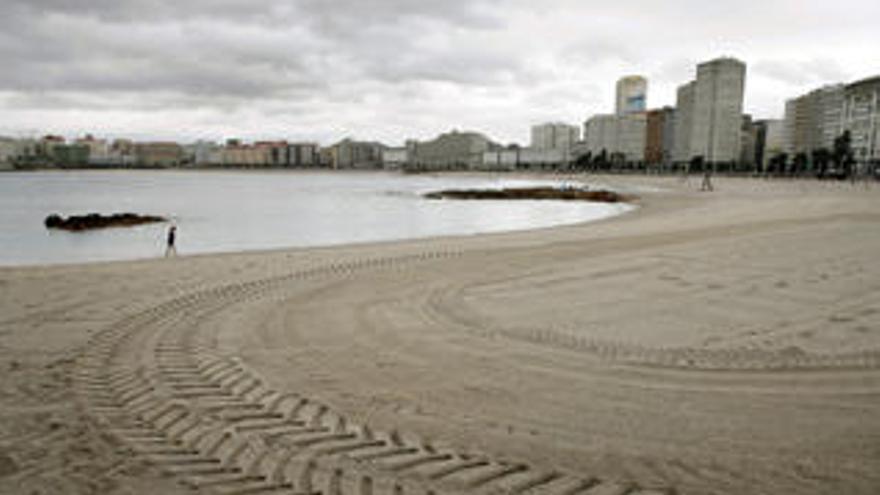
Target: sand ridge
x,y
707,343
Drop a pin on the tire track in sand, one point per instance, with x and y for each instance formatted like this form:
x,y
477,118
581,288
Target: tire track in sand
x,y
162,388
445,306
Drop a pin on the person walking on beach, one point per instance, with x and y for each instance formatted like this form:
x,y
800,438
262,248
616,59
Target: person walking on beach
x,y
171,248
707,180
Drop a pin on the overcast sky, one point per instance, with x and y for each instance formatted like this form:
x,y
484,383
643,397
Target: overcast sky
x,y
396,69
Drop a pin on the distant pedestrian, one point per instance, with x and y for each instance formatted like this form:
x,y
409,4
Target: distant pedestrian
x,y
707,180
171,247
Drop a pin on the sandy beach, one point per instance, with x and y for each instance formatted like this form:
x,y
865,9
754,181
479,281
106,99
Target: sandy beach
x,y
705,343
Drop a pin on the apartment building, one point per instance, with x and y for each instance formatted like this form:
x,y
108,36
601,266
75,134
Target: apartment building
x,y
619,136
516,158
452,150
813,120
501,159
600,133
204,153
684,121
99,150
716,125
303,155
660,136
554,135
47,144
861,117
238,154
395,157
8,152
350,154
158,154
274,152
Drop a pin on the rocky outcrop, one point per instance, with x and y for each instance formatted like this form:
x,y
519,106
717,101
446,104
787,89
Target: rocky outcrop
x,y
533,193
97,221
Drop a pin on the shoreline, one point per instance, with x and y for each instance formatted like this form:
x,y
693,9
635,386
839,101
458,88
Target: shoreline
x,y
707,342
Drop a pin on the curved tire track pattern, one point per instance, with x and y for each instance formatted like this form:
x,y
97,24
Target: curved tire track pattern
x,y
736,359
684,358
161,387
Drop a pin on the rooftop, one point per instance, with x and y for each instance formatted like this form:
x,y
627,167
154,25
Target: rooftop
x,y
870,81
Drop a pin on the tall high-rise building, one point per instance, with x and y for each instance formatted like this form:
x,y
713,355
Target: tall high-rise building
x,y
684,122
829,113
813,120
797,125
718,110
632,95
861,117
554,136
621,135
660,136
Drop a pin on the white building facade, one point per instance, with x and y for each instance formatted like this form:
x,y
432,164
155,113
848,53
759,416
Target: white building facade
x,y
453,150
684,122
554,135
503,159
9,151
861,117
771,141
621,135
395,158
718,111
303,155
814,120
600,133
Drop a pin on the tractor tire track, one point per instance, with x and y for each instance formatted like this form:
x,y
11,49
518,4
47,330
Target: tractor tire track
x,y
444,306
156,381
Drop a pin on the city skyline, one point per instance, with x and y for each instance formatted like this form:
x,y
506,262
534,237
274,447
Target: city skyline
x,y
393,70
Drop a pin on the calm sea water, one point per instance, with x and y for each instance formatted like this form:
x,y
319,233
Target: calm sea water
x,y
236,211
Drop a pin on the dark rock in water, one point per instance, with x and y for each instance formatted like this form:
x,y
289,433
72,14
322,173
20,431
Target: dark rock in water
x,y
96,221
563,194
53,221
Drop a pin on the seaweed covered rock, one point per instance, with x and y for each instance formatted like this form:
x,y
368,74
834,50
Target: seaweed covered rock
x,y
533,193
98,221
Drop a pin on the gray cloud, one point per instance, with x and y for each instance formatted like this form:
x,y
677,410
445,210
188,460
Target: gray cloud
x,y
396,68
799,72
233,48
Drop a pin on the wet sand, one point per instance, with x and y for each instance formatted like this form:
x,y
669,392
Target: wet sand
x,y
706,343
